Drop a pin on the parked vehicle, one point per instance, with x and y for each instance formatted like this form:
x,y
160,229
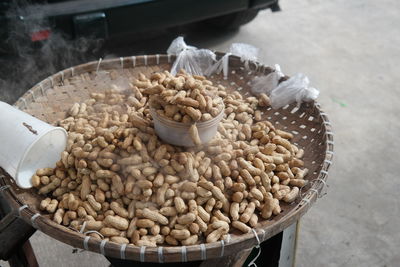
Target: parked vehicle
x,y
36,20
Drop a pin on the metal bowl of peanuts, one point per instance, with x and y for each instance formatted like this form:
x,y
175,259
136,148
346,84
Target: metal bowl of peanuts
x,y
118,181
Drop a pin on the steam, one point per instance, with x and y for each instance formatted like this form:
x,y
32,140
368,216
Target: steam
x,y
34,62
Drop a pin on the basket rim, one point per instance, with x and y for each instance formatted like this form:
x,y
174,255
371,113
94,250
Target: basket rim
x,y
43,223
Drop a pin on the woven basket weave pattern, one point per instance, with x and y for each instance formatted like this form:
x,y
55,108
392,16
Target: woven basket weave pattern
x,y
50,99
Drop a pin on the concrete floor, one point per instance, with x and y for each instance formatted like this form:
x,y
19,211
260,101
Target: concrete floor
x,y
350,50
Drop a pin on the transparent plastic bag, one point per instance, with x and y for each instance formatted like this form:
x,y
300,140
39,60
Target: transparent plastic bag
x,y
194,61
204,58
220,65
177,46
265,84
246,53
294,89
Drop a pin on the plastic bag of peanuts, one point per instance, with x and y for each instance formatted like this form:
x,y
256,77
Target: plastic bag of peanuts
x,y
266,83
118,181
295,89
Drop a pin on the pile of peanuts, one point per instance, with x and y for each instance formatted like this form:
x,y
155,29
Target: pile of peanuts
x,y
187,99
118,181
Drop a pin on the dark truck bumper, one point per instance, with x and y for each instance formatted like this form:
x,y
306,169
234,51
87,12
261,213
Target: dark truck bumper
x,y
127,16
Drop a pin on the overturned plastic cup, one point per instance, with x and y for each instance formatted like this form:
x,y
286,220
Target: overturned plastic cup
x,y
27,144
177,133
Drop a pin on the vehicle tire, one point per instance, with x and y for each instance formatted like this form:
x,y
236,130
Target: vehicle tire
x,y
233,21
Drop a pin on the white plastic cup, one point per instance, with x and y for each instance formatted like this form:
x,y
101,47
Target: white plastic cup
x,y
27,144
177,133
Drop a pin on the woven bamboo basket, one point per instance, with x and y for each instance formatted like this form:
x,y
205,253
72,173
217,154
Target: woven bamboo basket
x,y
50,99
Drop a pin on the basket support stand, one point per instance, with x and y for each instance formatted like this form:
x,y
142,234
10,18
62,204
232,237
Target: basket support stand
x,y
234,260
14,237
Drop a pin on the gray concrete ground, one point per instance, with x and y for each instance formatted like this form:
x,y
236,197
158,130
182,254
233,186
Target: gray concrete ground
x,y
350,50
